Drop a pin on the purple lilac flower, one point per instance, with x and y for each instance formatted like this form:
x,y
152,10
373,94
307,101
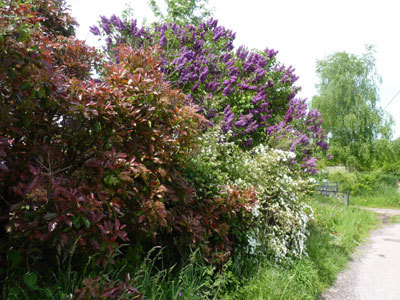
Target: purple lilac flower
x,y
108,43
227,122
95,30
249,142
241,53
211,114
104,20
226,57
270,53
106,28
323,145
203,74
244,86
195,86
260,96
252,88
133,28
117,22
244,120
218,33
212,22
212,86
163,41
263,107
310,165
251,128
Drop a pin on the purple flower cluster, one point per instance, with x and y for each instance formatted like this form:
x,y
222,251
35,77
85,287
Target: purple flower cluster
x,y
121,31
227,122
309,164
201,62
95,30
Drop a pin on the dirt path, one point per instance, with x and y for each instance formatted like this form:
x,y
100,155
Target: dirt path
x,y
374,271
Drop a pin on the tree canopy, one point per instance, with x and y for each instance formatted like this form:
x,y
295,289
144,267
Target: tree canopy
x,y
348,98
182,11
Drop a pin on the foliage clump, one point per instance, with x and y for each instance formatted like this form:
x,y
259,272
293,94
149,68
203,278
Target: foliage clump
x,y
249,92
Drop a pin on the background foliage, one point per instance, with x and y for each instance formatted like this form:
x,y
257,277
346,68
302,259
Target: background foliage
x,y
348,98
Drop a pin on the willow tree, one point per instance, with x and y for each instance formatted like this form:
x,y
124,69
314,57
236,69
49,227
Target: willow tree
x,y
348,98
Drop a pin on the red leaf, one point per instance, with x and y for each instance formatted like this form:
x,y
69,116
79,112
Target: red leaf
x,y
141,218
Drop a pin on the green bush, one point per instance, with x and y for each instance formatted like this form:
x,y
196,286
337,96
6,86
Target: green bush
x,y
355,182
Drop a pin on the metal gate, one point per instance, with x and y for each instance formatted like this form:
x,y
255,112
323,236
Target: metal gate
x,y
331,189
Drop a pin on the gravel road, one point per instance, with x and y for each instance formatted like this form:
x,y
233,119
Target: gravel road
x,y
374,270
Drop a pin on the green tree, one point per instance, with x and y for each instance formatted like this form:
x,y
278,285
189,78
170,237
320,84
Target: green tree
x,y
348,97
387,155
182,11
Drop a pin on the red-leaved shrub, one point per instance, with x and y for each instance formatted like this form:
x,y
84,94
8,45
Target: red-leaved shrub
x,y
94,163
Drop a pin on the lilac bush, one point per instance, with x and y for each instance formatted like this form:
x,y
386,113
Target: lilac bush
x,y
249,92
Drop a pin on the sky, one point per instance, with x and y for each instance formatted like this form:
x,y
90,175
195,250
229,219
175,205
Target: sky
x,y
302,31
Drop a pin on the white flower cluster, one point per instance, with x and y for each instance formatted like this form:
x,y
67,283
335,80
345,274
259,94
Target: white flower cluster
x,y
279,217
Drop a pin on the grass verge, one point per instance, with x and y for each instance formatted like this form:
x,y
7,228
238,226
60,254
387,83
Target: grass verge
x,y
378,201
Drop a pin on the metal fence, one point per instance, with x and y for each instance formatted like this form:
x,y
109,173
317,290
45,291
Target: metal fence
x,y
331,189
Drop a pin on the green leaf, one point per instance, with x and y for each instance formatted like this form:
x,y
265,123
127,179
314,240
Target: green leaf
x,y
30,279
42,93
15,257
12,74
86,222
26,121
97,126
76,221
111,179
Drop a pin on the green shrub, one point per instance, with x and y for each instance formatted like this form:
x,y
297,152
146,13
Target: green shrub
x,y
355,182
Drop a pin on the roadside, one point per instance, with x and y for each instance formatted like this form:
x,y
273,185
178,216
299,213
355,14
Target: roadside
x,y
374,270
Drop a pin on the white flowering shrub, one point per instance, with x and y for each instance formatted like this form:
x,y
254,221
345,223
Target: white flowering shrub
x,y
279,217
